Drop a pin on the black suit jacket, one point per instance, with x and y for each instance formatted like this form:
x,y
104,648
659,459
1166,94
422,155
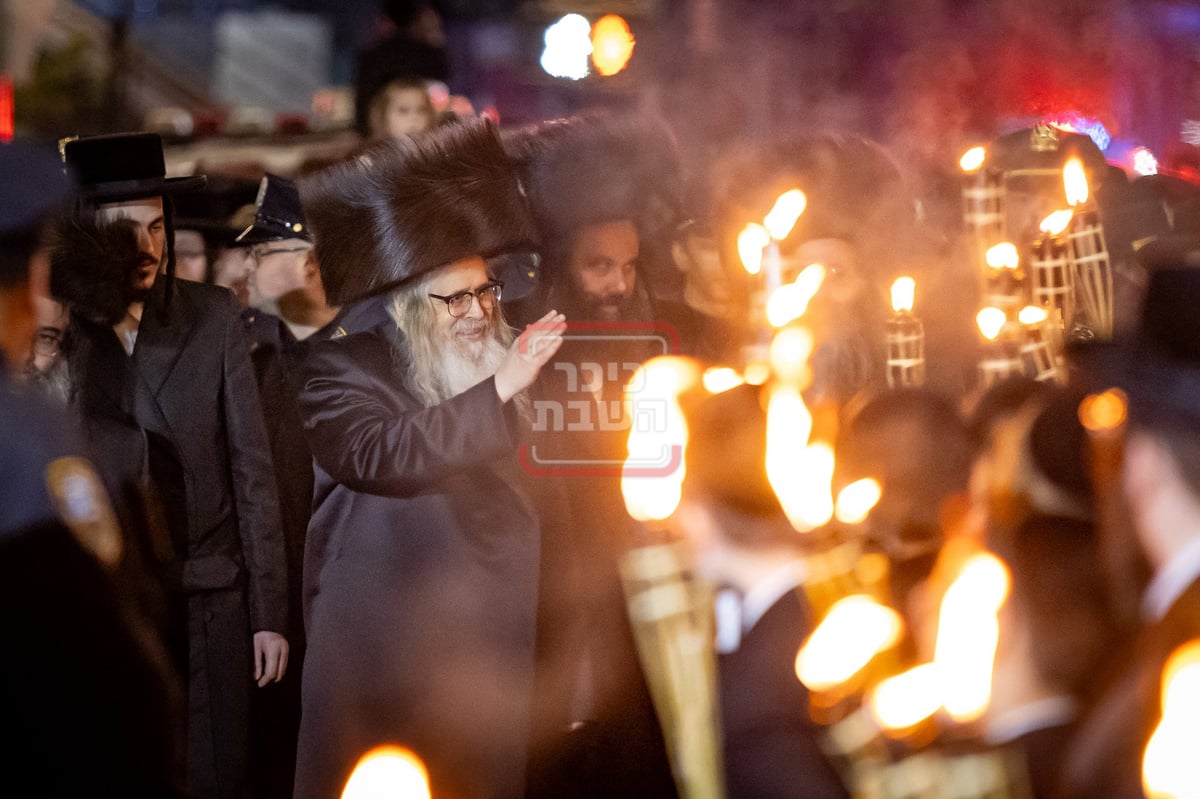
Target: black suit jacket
x,y
771,745
182,416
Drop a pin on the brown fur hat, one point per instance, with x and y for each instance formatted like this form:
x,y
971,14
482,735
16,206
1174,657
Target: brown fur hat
x,y
598,167
402,209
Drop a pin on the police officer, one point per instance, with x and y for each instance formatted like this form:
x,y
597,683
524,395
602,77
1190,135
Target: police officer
x,y
86,704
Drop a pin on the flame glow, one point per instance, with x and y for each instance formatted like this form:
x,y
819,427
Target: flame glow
x,y
991,321
388,771
1032,315
790,302
856,501
789,354
903,291
972,159
783,215
652,481
612,44
1075,182
855,630
1057,222
968,631
1104,411
1003,256
721,378
751,242
1168,767
907,699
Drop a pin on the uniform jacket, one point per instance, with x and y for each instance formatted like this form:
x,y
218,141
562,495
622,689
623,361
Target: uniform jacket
x,y
421,572
187,410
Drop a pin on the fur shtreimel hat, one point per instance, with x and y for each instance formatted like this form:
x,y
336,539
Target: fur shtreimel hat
x,y
402,209
595,168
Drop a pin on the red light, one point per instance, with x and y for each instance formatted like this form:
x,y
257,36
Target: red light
x,y
7,127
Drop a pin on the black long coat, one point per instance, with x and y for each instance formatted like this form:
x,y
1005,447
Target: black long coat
x,y
421,569
190,424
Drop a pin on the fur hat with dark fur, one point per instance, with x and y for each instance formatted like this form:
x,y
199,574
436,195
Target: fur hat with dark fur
x,y
402,209
598,167
91,267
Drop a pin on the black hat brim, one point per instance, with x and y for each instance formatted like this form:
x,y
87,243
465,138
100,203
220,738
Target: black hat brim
x,y
1155,383
119,191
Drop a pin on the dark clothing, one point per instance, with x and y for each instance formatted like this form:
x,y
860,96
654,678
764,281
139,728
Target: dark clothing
x,y
86,708
277,356
192,430
771,745
1105,756
422,565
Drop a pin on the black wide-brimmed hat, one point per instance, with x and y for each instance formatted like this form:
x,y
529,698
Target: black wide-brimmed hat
x,y
277,213
402,209
1158,364
123,166
35,186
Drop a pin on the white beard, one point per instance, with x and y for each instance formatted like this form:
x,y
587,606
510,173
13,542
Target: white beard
x,y
467,363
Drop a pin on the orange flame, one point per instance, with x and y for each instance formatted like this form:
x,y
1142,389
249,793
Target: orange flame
x,y
1057,222
789,354
1032,315
718,379
652,482
968,631
1104,411
1003,256
390,771
751,242
612,44
991,321
856,501
783,215
972,159
790,302
856,629
904,701
1168,766
903,291
1075,182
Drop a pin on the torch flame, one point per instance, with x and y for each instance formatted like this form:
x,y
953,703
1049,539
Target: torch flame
x,y
907,699
652,482
783,215
972,159
790,302
1056,222
968,631
903,289
789,354
1168,767
718,379
1075,182
1032,315
856,501
1104,411
390,771
856,629
1003,256
991,321
751,241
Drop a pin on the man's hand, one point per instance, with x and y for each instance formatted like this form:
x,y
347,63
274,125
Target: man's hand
x,y
270,657
528,354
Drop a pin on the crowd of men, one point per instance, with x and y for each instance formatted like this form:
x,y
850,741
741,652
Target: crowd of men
x,y
376,499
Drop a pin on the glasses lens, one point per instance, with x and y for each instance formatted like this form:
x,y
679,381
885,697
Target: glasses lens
x,y
460,304
46,344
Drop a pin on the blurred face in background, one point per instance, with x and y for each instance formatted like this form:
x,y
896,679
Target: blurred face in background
x,y
231,269
401,111
146,214
191,260
279,267
603,269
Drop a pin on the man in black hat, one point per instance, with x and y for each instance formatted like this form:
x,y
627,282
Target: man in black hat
x,y
85,700
165,389
284,277
422,554
1158,368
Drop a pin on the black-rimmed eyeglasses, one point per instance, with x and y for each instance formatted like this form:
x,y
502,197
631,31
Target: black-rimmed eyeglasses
x,y
459,303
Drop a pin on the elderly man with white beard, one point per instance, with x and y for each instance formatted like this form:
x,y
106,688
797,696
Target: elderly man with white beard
x,y
421,560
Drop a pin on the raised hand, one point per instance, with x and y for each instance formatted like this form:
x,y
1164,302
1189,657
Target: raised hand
x,y
528,354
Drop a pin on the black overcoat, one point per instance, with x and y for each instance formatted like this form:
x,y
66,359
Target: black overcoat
x,y
421,571
188,410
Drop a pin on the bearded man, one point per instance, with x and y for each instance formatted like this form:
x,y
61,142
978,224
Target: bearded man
x,y
421,558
